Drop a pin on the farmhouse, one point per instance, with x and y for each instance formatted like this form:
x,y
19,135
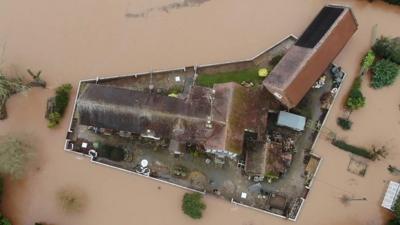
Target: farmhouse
x,y
214,118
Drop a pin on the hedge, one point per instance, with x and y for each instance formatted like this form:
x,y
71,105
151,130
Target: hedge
x,y
353,149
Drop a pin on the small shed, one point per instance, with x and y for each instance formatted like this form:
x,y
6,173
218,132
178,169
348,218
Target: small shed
x,y
391,195
291,120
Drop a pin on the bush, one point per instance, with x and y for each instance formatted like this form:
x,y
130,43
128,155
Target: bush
x,y
14,155
353,149
62,98
345,124
192,205
388,48
4,220
368,60
60,104
384,73
356,99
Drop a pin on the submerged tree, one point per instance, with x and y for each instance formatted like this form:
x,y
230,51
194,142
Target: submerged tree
x,y
71,200
15,154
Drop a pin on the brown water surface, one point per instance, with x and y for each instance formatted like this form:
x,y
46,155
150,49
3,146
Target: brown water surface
x,y
73,40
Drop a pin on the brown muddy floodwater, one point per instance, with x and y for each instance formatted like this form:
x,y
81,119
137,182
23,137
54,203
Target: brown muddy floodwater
x,y
72,40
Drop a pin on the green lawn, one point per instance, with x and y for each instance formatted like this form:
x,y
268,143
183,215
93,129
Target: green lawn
x,y
249,75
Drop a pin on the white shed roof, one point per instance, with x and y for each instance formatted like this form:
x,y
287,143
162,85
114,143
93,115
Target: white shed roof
x,y
391,195
291,120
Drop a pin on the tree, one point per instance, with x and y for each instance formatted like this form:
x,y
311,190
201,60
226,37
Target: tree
x,y
192,205
388,48
384,73
4,220
355,100
15,153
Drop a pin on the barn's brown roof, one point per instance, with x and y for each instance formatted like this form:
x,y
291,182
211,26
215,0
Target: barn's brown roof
x,y
307,60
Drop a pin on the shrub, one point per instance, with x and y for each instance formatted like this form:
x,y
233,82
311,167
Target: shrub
x,y
384,73
344,123
353,149
388,48
368,60
192,205
4,220
14,155
355,100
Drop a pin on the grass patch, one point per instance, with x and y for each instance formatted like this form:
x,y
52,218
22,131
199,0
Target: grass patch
x,y
353,149
248,75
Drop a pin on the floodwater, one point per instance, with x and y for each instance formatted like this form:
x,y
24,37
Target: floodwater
x,y
73,40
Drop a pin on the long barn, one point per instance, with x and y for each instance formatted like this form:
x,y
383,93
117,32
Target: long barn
x,y
311,55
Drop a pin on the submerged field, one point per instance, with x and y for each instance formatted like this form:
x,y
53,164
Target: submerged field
x,y
74,41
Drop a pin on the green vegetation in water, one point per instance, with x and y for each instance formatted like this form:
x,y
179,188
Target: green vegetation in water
x,y
356,99
388,48
353,149
60,104
4,220
368,60
344,123
193,205
248,75
384,73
